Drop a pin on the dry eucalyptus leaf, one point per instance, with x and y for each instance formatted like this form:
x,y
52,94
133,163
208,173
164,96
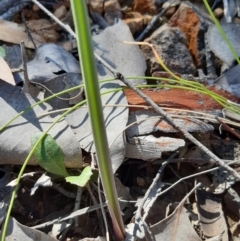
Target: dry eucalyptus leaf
x,y
175,227
115,120
15,140
49,61
126,59
5,72
43,181
14,33
229,81
17,231
221,49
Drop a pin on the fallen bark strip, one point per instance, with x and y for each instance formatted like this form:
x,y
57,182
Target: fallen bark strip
x,y
182,99
180,129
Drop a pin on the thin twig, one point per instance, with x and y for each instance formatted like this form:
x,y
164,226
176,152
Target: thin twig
x,y
177,127
62,237
72,215
41,86
188,195
63,191
27,30
191,160
140,221
77,203
178,176
27,84
64,26
194,175
95,203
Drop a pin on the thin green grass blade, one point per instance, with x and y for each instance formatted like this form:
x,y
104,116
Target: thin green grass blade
x,y
89,71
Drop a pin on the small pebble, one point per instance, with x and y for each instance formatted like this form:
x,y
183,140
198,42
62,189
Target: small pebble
x,y
171,9
236,20
170,12
96,6
35,8
175,3
218,12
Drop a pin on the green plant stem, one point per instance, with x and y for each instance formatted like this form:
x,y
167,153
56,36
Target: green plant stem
x,y
89,72
221,31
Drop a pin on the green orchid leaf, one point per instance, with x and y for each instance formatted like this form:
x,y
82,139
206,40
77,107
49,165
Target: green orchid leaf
x,y
82,179
49,155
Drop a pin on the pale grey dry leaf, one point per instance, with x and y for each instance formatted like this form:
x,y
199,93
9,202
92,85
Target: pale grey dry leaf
x,y
232,199
60,83
230,10
221,49
5,195
17,231
59,228
211,216
15,140
43,181
130,233
229,81
228,113
151,125
115,121
238,7
94,239
50,60
150,147
216,238
13,55
126,59
176,227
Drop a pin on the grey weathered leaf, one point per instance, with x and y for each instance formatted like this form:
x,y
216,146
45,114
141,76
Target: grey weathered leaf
x,y
15,140
126,59
175,227
51,60
221,49
18,231
43,181
115,121
229,81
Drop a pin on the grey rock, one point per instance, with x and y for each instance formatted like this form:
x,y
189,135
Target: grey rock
x,y
171,45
